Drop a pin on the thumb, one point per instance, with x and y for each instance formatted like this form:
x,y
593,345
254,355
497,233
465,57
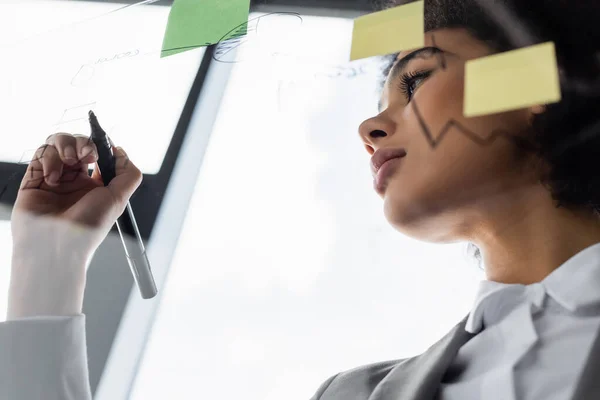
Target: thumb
x,y
127,178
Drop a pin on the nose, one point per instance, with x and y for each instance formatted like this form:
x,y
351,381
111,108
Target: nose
x,y
372,130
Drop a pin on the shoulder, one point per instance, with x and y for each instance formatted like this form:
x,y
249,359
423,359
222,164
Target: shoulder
x,y
356,383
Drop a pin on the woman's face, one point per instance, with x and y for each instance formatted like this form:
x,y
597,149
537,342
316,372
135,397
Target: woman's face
x,y
449,181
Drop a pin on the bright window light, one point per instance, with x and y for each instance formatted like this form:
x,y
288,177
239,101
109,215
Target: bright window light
x,y
286,271
55,68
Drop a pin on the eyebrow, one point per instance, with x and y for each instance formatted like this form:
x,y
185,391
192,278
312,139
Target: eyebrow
x,y
401,64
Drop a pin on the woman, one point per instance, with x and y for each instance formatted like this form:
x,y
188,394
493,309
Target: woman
x,y
522,186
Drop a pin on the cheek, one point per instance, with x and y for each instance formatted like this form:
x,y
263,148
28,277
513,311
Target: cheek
x,y
445,169
433,142
442,102
438,187
438,102
443,99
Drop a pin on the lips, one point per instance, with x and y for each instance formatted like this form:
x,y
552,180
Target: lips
x,y
381,156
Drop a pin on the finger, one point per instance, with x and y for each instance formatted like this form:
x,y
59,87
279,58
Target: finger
x,y
96,173
35,170
76,151
122,161
128,178
87,152
65,144
122,164
45,166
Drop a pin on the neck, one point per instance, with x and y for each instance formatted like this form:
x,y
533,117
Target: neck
x,y
533,238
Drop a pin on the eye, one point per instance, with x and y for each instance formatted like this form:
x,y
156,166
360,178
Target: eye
x,y
408,82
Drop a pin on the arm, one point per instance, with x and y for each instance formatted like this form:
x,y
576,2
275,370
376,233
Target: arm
x,y
44,358
56,226
322,388
43,353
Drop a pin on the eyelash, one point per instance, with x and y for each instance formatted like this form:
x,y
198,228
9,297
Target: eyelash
x,y
409,79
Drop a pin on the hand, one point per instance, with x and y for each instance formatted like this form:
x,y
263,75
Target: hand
x,y
57,224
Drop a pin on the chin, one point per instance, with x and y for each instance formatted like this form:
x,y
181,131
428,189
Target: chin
x,y
398,212
407,214
420,219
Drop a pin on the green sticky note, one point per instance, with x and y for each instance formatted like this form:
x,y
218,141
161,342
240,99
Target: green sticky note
x,y
389,31
198,23
511,80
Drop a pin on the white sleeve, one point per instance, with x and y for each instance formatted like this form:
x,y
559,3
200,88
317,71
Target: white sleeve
x,y
44,358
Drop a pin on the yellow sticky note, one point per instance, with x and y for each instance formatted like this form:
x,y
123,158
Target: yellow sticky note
x,y
511,80
389,31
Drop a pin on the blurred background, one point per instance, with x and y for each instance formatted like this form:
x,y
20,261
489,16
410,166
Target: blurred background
x,y
274,263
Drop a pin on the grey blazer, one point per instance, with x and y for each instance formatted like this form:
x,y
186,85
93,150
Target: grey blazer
x,y
47,359
419,378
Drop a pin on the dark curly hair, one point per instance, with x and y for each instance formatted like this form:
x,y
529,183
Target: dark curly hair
x,y
567,135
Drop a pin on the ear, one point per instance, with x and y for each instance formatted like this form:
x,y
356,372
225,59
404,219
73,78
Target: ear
x,y
534,111
538,109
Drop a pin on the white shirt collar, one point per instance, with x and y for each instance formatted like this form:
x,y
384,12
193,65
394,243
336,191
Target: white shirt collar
x,y
574,285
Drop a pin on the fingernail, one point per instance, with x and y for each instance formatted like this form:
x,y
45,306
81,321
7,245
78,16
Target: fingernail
x,y
54,176
87,150
70,155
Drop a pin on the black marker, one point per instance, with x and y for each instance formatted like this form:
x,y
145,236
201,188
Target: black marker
x,y
134,249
